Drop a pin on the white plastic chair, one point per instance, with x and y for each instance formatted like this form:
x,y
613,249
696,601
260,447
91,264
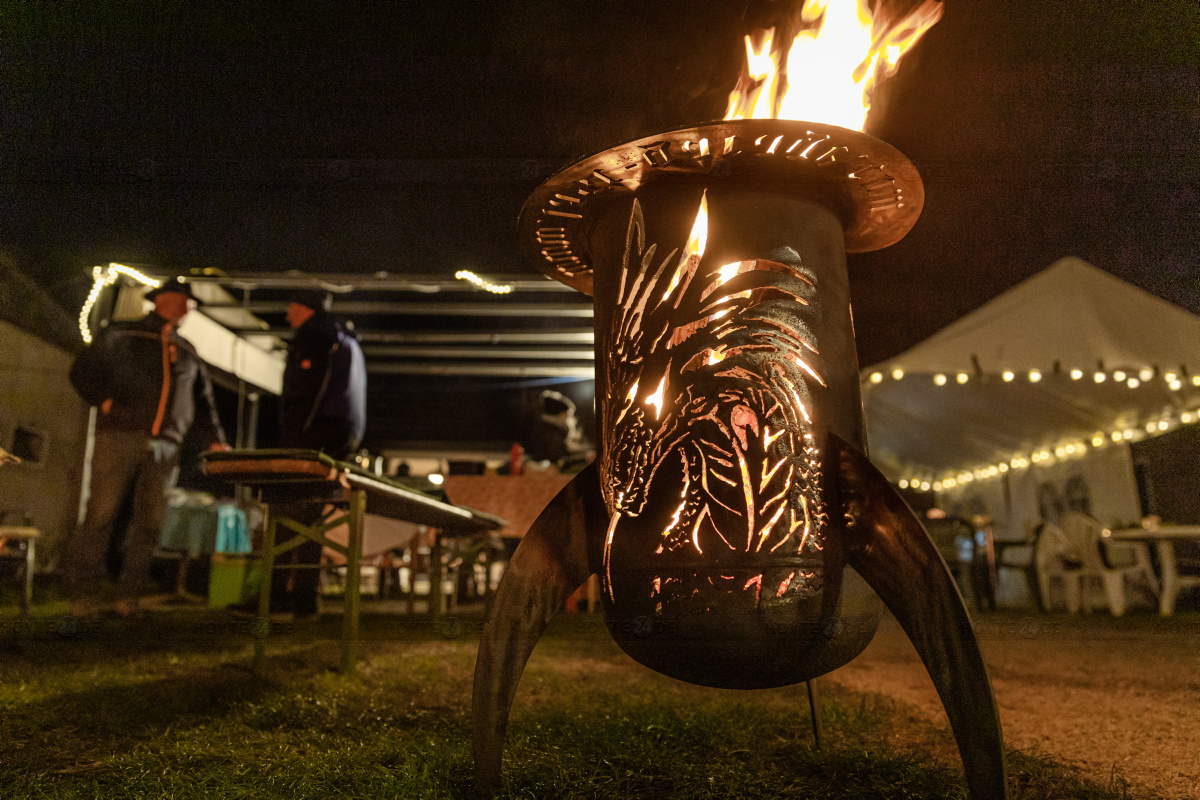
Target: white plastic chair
x,y
1058,558
1110,562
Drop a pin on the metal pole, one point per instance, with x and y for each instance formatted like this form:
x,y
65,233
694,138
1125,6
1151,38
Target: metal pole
x,y
89,447
262,625
354,541
811,683
436,598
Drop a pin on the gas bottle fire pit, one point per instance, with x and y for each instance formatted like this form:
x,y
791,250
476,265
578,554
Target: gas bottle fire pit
x,y
741,536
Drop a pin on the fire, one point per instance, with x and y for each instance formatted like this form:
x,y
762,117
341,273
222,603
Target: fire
x,y
692,253
656,399
831,65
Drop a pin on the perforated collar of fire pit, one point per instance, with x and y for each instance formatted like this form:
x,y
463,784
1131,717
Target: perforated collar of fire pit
x,y
872,187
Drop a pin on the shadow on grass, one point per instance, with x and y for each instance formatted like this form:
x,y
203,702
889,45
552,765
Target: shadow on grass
x,y
113,715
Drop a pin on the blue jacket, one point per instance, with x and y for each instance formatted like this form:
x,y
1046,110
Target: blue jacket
x,y
324,400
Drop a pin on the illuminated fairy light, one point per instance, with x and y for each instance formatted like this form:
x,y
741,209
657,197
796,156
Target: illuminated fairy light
x,y
1098,440
102,277
1133,380
436,479
471,277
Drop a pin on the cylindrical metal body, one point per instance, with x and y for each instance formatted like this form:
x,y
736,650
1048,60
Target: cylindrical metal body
x,y
722,565
723,363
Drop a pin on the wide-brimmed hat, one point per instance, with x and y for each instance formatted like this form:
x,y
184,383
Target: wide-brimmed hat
x,y
177,286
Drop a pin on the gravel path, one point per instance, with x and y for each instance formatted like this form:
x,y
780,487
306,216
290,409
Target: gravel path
x,y
1117,697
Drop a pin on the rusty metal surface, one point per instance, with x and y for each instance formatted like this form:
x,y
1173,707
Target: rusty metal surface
x,y
874,190
549,564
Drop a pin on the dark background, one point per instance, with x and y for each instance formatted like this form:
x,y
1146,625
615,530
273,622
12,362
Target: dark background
x,y
405,136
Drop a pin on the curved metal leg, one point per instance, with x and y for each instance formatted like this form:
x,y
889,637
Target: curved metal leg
x,y
887,545
550,563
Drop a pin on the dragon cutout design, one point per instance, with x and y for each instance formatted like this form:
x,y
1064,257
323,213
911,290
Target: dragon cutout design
x,y
711,371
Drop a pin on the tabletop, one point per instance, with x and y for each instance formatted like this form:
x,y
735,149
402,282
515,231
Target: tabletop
x,y
295,472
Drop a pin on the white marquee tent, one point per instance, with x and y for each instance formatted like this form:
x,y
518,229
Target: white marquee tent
x,y
1047,382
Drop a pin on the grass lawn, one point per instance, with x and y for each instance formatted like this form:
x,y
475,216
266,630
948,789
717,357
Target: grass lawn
x,y
169,708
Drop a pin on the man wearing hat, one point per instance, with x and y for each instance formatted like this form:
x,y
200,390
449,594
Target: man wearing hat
x,y
149,386
324,400
323,407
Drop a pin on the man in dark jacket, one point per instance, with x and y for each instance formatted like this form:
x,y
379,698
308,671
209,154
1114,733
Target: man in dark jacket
x,y
323,407
324,400
146,381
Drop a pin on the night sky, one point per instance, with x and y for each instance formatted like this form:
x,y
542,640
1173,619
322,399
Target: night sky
x,y
252,136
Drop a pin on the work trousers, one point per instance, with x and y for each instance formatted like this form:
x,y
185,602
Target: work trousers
x,y
127,467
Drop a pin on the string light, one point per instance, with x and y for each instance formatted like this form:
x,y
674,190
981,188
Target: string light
x,y
102,277
1064,449
471,277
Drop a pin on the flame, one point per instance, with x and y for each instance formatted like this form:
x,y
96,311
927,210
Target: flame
x,y
833,63
763,72
698,239
656,399
694,250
